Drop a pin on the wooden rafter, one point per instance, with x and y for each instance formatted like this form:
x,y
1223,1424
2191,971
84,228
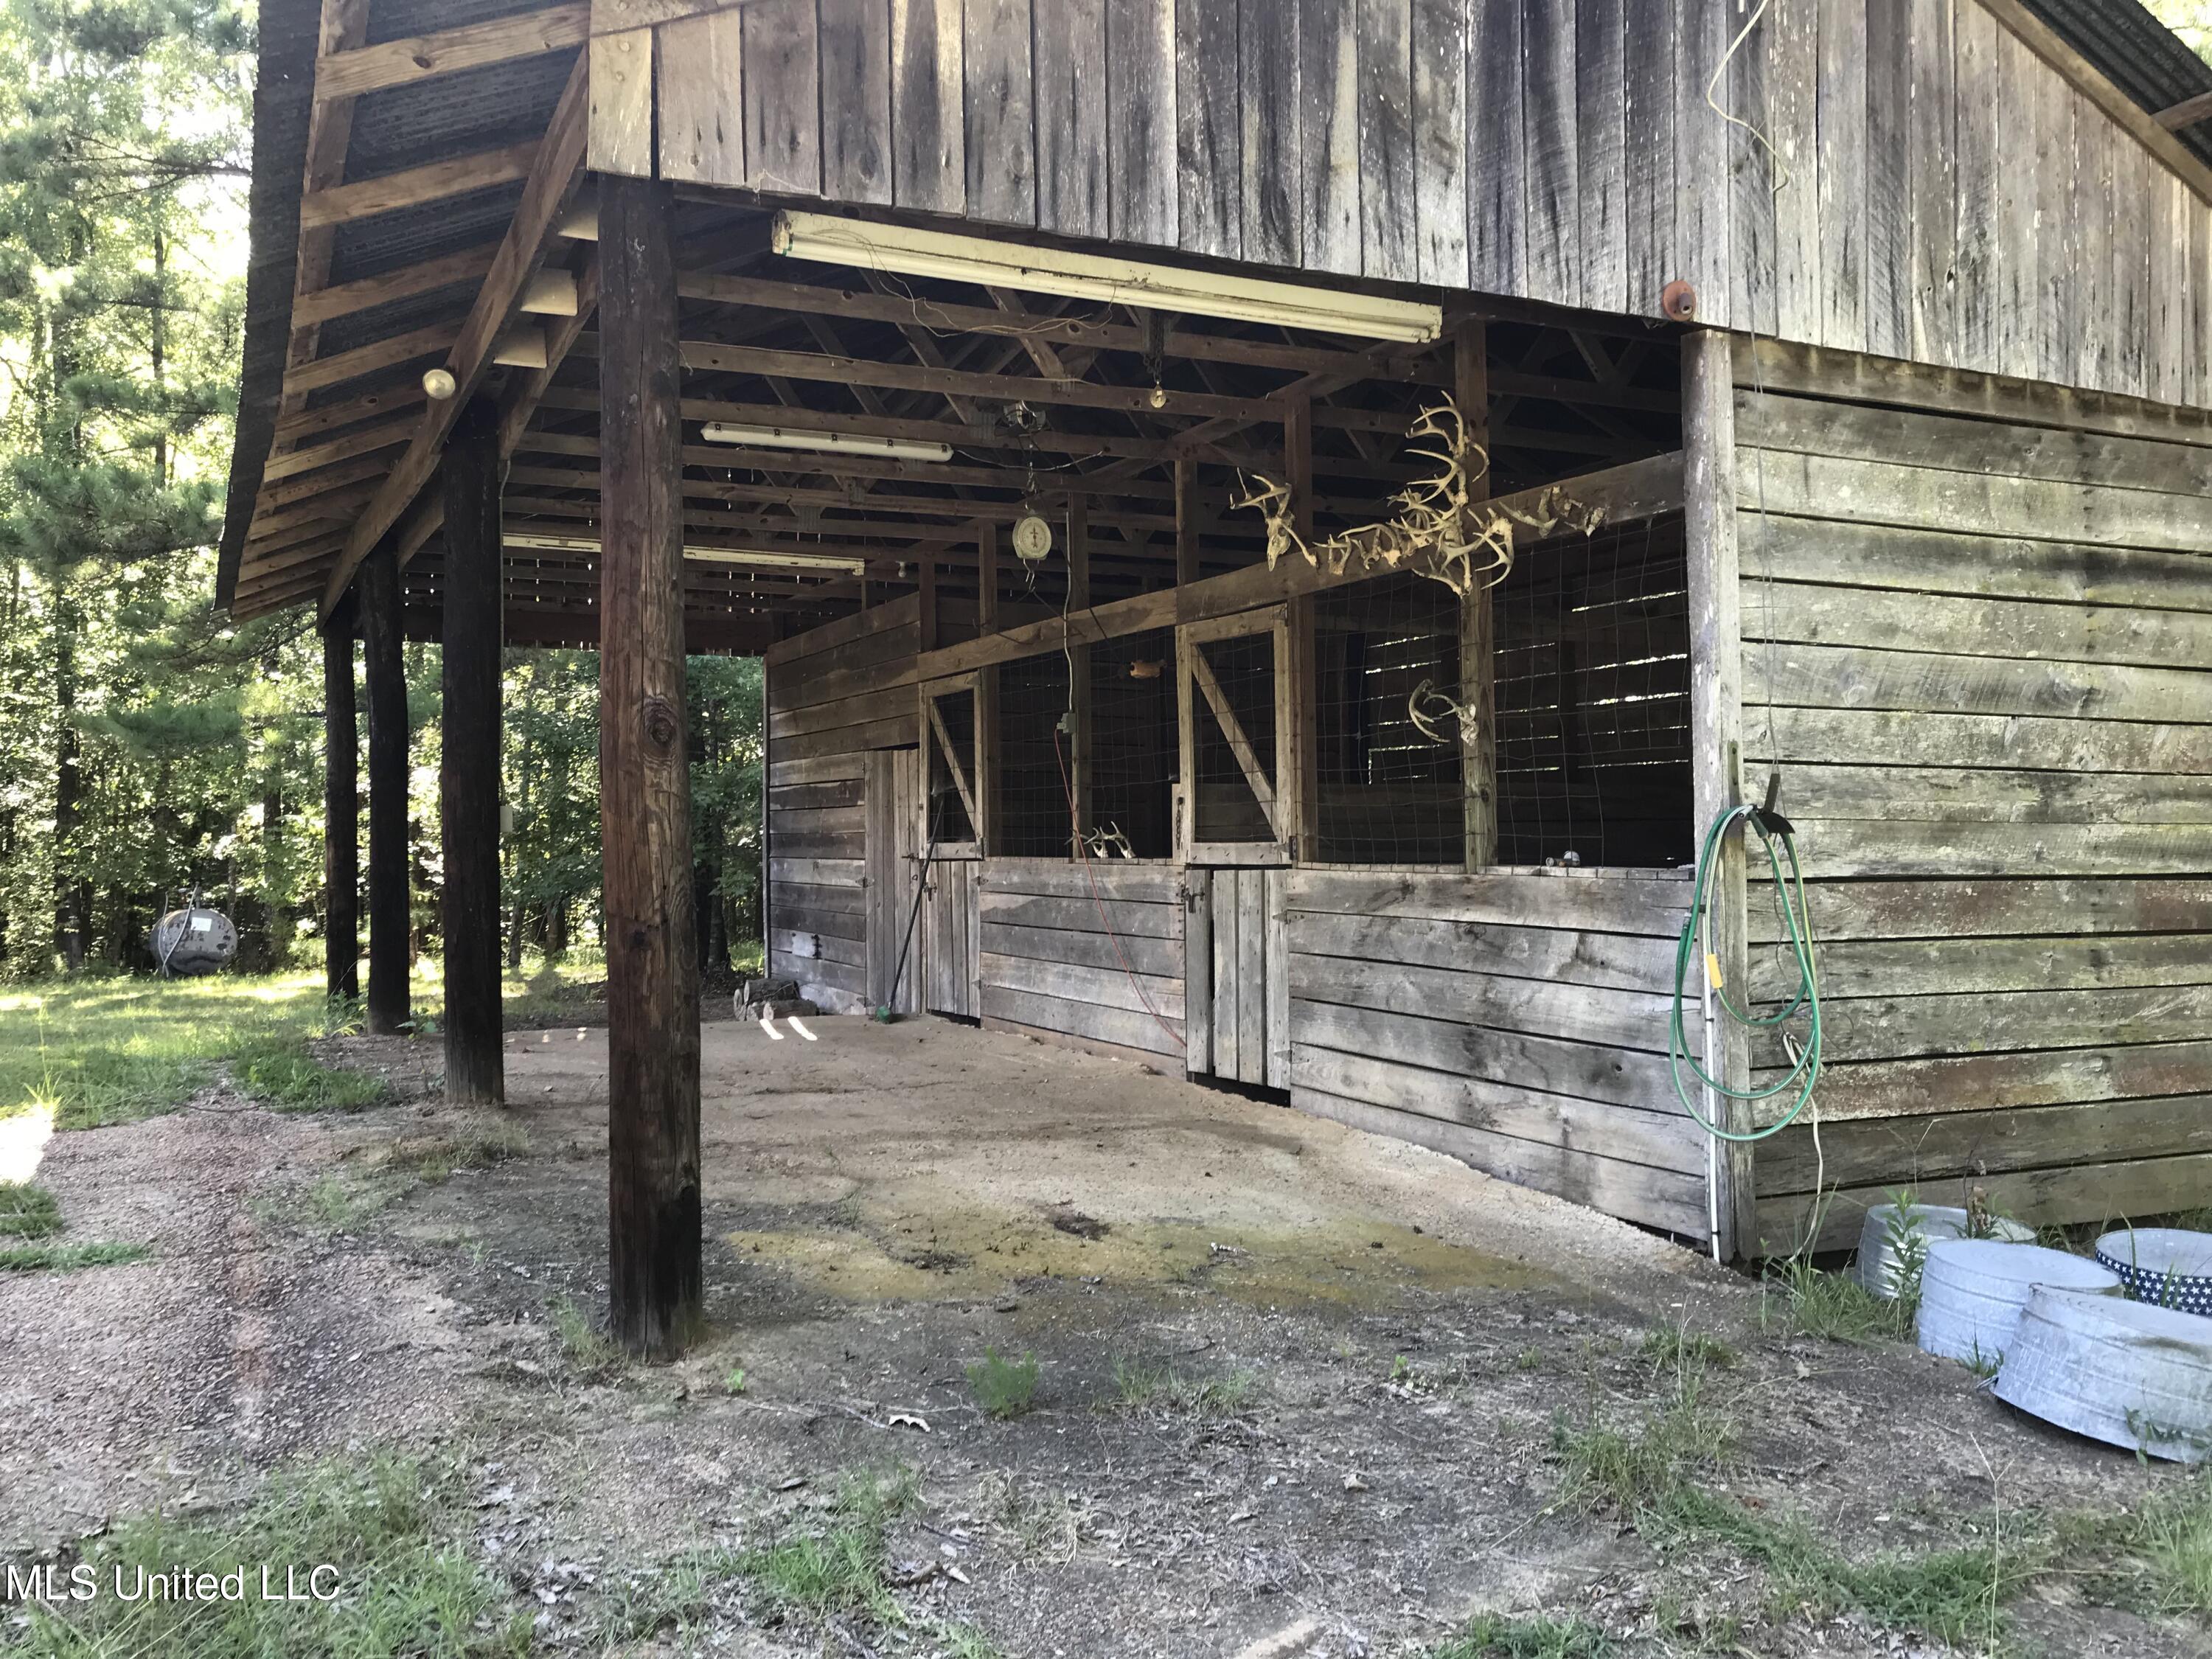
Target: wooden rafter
x,y
359,70
378,355
558,163
471,265
435,181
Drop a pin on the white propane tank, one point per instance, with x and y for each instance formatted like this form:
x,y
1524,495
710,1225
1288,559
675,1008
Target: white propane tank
x,y
193,941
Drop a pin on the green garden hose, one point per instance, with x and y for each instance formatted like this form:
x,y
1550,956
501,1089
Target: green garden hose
x,y
1771,827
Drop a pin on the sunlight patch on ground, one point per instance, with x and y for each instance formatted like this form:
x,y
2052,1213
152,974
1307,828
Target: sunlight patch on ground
x,y
23,1139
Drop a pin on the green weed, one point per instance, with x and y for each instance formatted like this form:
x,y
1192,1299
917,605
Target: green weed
x,y
1003,1388
840,1568
588,1348
404,1589
1950,1593
1138,1385
282,1075
1493,1636
1674,1345
27,1210
65,1258
1836,1306
436,1159
733,1380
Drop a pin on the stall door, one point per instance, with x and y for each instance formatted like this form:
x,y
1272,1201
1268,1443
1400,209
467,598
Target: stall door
x,y
1243,769
952,930
1237,984
894,856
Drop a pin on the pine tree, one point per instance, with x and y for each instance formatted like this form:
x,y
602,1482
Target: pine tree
x,y
121,126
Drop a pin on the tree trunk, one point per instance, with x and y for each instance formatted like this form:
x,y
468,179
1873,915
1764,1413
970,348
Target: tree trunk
x,y
340,808
68,790
389,920
653,966
468,775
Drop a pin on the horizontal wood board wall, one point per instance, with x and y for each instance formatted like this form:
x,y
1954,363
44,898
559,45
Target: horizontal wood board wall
x,y
1094,952
1980,652
1940,192
833,693
1516,1022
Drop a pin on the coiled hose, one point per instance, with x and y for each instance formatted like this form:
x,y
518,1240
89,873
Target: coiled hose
x,y
1770,828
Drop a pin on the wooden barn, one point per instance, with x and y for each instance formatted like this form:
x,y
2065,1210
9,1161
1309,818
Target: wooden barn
x,y
1275,525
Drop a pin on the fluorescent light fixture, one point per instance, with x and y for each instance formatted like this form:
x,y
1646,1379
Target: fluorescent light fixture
x,y
835,564
907,252
841,443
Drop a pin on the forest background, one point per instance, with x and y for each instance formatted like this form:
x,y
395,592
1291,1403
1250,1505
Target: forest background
x,y
150,747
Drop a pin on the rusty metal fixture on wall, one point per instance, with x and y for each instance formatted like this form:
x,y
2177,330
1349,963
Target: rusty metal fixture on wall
x,y
1679,301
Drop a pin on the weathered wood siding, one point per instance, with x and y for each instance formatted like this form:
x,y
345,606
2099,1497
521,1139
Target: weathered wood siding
x,y
1945,194
1980,652
1049,963
1517,1022
833,695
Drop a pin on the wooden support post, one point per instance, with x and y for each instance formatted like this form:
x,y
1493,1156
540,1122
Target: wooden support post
x,y
925,576
986,577
1478,637
1297,774
1716,737
1080,748
654,1279
341,808
386,672
468,767
1186,512
1298,462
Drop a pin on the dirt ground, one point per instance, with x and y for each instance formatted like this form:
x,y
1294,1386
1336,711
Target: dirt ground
x,y
885,1204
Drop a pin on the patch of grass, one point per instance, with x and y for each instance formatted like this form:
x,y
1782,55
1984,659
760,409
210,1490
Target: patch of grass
x,y
1836,1306
1138,1385
27,1210
733,1380
436,1159
1003,1388
283,1077
588,1348
1493,1636
95,1052
1640,1471
1952,1594
66,1258
840,1568
2155,1559
382,1523
1674,1345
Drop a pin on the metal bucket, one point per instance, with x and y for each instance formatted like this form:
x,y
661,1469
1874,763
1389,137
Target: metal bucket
x,y
2124,1372
2164,1265
1972,1290
1876,1267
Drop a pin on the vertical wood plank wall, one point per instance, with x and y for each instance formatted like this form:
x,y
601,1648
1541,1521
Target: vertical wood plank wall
x,y
834,694
1516,1021
1980,652
1945,194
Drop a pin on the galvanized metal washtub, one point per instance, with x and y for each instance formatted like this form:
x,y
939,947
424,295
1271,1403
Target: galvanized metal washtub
x,y
2124,1372
2166,1266
1877,1266
193,941
1972,1290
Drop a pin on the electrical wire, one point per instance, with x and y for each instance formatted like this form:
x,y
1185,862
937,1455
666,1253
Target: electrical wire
x,y
1805,1070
